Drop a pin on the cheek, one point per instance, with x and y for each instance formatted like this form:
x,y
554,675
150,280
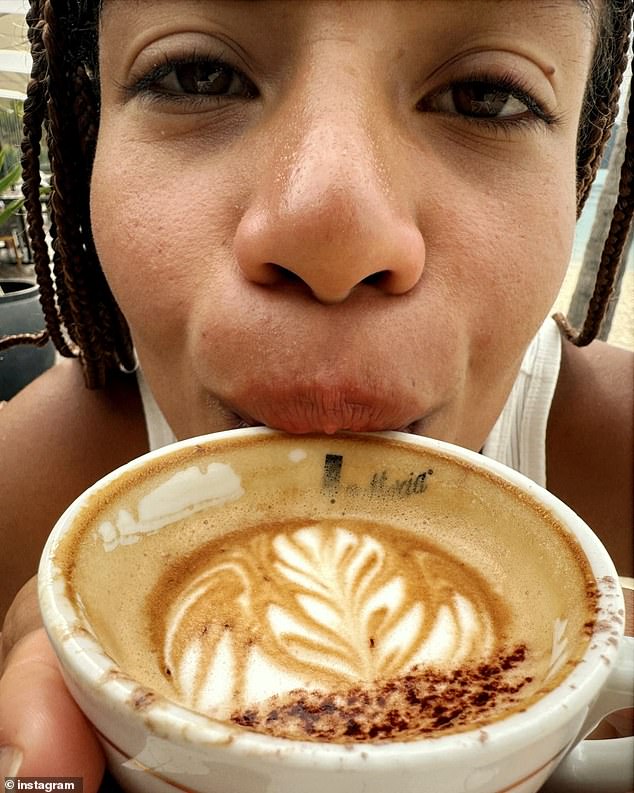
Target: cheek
x,y
510,246
499,224
154,237
525,234
544,234
123,224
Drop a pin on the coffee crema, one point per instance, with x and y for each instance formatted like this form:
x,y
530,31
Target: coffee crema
x,y
373,604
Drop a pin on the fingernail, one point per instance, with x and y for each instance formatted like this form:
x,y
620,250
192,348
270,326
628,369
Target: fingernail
x,y
10,761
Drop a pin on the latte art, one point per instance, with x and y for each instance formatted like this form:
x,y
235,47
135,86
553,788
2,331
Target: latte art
x,y
317,606
330,589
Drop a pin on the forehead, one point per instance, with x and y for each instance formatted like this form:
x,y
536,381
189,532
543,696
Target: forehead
x,y
284,28
304,7
265,18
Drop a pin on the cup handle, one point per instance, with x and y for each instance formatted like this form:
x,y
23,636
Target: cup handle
x,y
602,765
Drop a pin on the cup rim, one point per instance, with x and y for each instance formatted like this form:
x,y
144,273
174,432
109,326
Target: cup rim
x,y
89,667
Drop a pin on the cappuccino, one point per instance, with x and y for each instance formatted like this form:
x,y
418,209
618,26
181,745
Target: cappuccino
x,y
351,588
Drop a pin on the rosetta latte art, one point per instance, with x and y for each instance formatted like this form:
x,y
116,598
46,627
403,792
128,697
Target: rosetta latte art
x,y
319,606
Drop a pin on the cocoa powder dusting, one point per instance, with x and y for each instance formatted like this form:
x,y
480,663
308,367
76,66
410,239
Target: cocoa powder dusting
x,y
424,703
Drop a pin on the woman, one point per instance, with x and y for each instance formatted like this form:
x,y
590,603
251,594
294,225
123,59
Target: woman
x,y
315,216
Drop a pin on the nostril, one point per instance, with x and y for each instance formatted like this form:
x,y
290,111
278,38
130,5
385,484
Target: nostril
x,y
271,274
276,274
283,273
376,279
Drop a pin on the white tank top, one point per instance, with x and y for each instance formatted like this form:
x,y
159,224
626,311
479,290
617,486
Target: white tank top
x,y
518,438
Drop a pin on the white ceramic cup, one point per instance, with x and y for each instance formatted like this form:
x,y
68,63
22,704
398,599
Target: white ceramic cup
x,y
154,745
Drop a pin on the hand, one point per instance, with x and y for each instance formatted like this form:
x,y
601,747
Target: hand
x,y
42,731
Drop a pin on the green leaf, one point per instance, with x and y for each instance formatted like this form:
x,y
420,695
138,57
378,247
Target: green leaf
x,y
11,178
10,209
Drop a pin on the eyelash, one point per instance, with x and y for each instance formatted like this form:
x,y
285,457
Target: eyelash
x,y
147,85
503,84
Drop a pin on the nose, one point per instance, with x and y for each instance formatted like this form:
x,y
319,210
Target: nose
x,y
325,212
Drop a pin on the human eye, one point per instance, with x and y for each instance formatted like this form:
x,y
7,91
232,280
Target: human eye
x,y
498,100
194,78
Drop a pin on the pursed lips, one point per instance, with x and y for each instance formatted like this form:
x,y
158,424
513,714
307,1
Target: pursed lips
x,y
328,410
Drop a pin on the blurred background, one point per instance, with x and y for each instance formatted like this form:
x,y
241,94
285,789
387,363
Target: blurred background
x,y
15,67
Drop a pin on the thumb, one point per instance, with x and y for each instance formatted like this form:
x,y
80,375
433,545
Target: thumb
x,y
42,731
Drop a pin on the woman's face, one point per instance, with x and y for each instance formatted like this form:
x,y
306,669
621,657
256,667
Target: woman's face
x,y
337,215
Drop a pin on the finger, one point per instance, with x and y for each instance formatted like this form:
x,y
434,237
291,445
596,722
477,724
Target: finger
x,y
39,718
22,617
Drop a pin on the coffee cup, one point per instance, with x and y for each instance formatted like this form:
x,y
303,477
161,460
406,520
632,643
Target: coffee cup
x,y
251,611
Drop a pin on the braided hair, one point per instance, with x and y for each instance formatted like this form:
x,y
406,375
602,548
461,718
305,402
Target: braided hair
x,y
599,110
82,318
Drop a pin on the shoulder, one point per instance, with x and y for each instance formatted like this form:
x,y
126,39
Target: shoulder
x,y
590,444
57,438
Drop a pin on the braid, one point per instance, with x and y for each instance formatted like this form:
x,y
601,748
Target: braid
x,y
112,328
601,102
34,110
72,137
601,108
612,254
81,315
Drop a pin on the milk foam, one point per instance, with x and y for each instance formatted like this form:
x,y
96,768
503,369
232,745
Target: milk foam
x,y
186,492
341,607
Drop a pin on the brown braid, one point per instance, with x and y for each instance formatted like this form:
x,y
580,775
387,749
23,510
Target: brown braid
x,y
81,315
600,110
611,257
92,321
601,102
80,312
34,109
